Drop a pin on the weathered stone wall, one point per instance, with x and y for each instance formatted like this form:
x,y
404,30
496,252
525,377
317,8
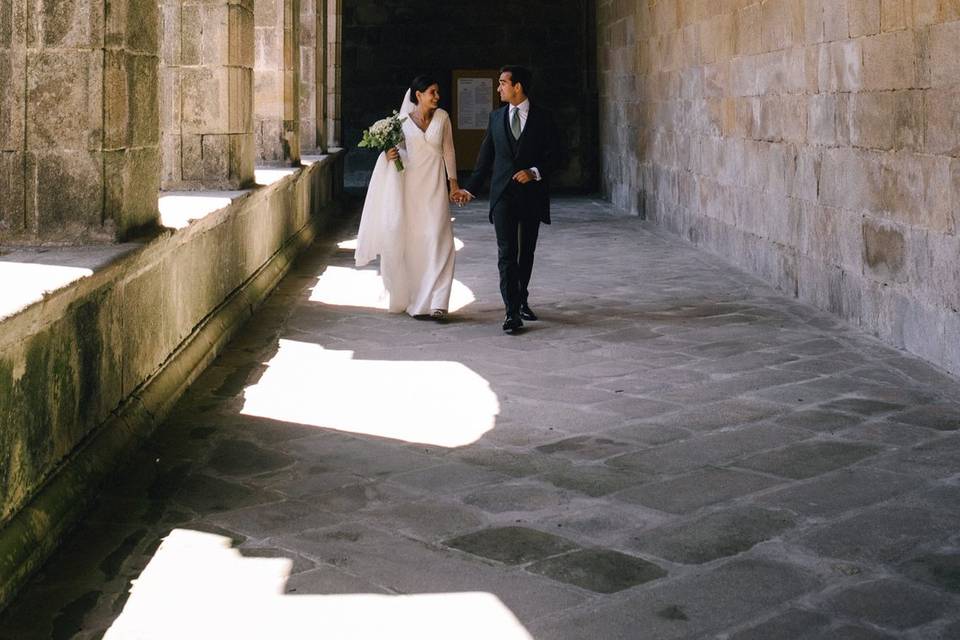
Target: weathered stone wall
x,y
206,93
312,52
276,80
319,74
79,142
813,142
386,44
75,365
334,64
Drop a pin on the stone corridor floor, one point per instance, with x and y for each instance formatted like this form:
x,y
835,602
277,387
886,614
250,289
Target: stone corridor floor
x,y
673,451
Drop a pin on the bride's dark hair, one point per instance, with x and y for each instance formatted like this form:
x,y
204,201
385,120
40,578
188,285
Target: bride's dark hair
x,y
421,83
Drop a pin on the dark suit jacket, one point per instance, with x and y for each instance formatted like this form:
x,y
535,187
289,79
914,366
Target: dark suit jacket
x,y
501,157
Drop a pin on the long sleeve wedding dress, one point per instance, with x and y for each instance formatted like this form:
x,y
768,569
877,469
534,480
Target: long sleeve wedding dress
x,y
406,219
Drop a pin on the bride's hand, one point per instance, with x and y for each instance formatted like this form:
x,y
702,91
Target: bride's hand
x,y
392,153
460,197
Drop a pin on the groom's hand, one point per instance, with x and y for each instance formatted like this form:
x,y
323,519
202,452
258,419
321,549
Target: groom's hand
x,y
524,176
461,196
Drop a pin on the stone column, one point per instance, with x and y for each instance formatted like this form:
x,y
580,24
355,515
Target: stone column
x,y
79,141
207,94
333,92
322,82
277,81
309,24
13,64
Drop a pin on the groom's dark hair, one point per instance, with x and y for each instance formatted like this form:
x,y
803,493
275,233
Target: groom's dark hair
x,y
519,75
421,83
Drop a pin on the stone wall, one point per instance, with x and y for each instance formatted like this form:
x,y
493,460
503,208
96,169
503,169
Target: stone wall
x,y
813,142
92,367
79,139
319,74
206,93
276,81
103,104
386,44
312,52
334,69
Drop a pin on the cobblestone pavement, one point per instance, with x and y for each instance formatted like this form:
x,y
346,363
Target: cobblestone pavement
x,y
673,451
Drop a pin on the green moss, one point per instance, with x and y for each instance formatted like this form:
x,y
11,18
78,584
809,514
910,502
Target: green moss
x,y
86,321
37,392
49,409
9,421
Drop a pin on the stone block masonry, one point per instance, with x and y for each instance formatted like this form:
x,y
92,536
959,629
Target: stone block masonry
x,y
312,52
277,82
79,139
206,90
813,142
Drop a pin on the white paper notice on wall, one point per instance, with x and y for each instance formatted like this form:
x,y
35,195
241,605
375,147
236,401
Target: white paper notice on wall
x,y
474,102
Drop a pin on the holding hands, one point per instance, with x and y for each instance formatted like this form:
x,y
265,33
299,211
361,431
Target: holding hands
x,y
460,197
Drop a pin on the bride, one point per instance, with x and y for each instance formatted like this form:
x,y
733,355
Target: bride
x,y
406,215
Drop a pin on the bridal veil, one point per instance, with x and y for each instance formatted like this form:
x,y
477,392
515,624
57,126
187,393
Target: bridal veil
x,y
382,217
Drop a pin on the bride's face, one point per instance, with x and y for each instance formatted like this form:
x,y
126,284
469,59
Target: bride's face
x,y
429,99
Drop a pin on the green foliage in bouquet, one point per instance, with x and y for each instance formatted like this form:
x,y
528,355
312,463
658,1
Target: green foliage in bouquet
x,y
385,134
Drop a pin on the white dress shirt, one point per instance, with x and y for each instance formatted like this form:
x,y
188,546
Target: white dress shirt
x,y
524,109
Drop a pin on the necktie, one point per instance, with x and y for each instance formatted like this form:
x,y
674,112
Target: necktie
x,y
515,123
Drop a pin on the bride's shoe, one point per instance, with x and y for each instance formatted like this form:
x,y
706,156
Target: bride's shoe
x,y
439,314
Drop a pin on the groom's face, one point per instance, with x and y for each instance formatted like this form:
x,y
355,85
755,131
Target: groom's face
x,y
507,90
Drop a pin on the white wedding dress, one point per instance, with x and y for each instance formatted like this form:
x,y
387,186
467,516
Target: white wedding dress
x,y
406,219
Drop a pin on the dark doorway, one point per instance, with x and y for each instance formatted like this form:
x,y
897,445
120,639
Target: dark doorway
x,y
386,44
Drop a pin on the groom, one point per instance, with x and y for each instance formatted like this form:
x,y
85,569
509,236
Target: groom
x,y
519,150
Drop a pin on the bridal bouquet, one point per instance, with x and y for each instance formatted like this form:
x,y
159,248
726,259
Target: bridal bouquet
x,y
385,134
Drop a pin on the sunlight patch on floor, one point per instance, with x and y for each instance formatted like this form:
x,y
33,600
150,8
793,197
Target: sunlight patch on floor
x,y
197,586
350,245
441,403
346,287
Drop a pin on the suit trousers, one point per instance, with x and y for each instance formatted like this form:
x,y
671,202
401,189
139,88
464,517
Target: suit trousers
x,y
517,232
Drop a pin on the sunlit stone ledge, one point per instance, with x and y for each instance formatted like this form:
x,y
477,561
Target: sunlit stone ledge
x,y
31,274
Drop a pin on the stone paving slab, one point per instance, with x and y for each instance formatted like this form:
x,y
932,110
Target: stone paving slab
x,y
889,603
512,545
696,605
723,533
674,451
809,459
712,448
697,489
794,623
885,534
599,570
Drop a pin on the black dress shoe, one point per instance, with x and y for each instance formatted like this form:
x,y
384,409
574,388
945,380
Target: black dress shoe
x,y
512,322
527,313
